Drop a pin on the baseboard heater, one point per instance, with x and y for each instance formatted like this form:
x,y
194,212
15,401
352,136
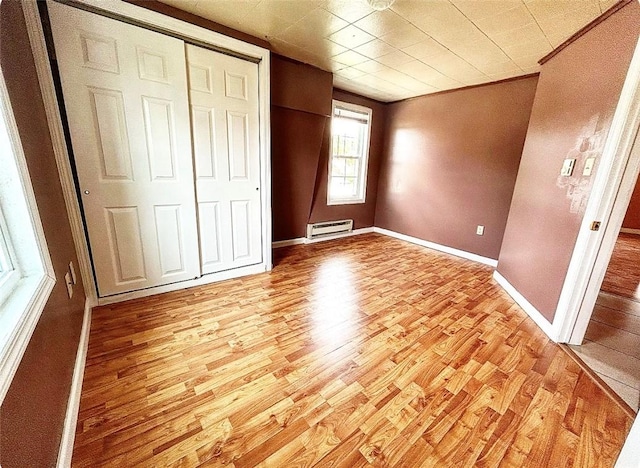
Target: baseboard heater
x,y
329,228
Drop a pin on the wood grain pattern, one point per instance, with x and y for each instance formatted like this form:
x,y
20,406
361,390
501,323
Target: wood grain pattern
x,y
623,273
357,352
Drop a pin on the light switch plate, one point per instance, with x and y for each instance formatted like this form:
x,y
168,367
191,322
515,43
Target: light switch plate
x,y
588,166
567,167
480,230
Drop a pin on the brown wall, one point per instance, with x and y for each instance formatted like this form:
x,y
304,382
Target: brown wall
x,y
300,131
632,217
362,214
32,413
575,101
451,163
300,109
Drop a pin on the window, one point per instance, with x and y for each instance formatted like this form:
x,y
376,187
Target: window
x,y
350,132
9,274
26,273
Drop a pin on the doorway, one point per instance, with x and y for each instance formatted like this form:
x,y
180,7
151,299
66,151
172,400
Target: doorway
x,y
611,346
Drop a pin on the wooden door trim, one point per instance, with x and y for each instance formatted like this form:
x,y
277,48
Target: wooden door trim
x,y
156,21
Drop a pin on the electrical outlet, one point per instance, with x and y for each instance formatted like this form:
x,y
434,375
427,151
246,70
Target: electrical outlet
x,y
72,270
480,230
69,281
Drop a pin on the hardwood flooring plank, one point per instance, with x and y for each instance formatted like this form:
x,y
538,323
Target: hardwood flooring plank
x,y
342,356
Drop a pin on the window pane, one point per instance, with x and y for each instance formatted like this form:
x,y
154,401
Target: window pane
x,y
351,167
349,152
338,166
351,186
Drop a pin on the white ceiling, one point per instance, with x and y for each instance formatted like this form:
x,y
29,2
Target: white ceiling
x,y
416,47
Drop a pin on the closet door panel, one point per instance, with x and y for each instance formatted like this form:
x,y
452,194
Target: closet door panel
x,y
224,110
126,99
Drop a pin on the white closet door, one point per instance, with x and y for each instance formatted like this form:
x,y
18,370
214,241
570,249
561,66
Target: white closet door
x,y
224,113
125,93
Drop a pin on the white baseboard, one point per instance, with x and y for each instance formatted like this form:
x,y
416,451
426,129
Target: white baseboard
x,y
529,309
287,243
355,232
630,231
442,248
73,406
204,279
304,240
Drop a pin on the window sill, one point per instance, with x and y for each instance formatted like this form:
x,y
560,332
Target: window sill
x,y
345,202
19,316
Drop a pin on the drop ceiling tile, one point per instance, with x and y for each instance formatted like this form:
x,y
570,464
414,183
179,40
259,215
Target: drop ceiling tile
x,y
299,35
530,70
349,10
454,67
404,37
379,23
543,10
322,22
186,5
287,10
414,68
375,49
325,48
350,73
528,62
350,58
427,48
351,37
417,46
395,58
477,10
440,81
529,33
514,18
370,66
227,13
528,49
502,68
606,4
481,54
504,75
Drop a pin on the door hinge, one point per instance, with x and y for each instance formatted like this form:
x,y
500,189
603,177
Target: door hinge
x,y
595,225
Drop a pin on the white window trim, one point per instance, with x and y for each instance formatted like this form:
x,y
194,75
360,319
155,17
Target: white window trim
x,y
365,159
20,311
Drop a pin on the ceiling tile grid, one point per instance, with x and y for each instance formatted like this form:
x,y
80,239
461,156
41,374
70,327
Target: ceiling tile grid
x,y
416,47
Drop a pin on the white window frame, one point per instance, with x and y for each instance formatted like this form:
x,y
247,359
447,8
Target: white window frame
x,y
26,289
361,194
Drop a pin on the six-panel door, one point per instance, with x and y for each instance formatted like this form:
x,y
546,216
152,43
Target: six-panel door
x,y
223,91
125,92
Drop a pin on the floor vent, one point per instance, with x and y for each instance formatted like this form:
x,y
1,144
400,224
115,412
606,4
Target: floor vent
x,y
329,228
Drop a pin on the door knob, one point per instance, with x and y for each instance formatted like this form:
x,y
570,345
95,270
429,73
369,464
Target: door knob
x,y
86,192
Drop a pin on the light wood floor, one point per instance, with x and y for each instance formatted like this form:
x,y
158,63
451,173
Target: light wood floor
x,y
365,350
623,273
612,342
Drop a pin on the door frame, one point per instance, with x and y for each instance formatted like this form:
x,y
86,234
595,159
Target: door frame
x,y
613,185
159,22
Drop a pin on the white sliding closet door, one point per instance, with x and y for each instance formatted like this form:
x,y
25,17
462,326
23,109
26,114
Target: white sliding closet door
x,y
224,114
125,92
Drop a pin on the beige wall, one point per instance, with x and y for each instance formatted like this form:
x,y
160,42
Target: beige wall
x,y
32,414
577,94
